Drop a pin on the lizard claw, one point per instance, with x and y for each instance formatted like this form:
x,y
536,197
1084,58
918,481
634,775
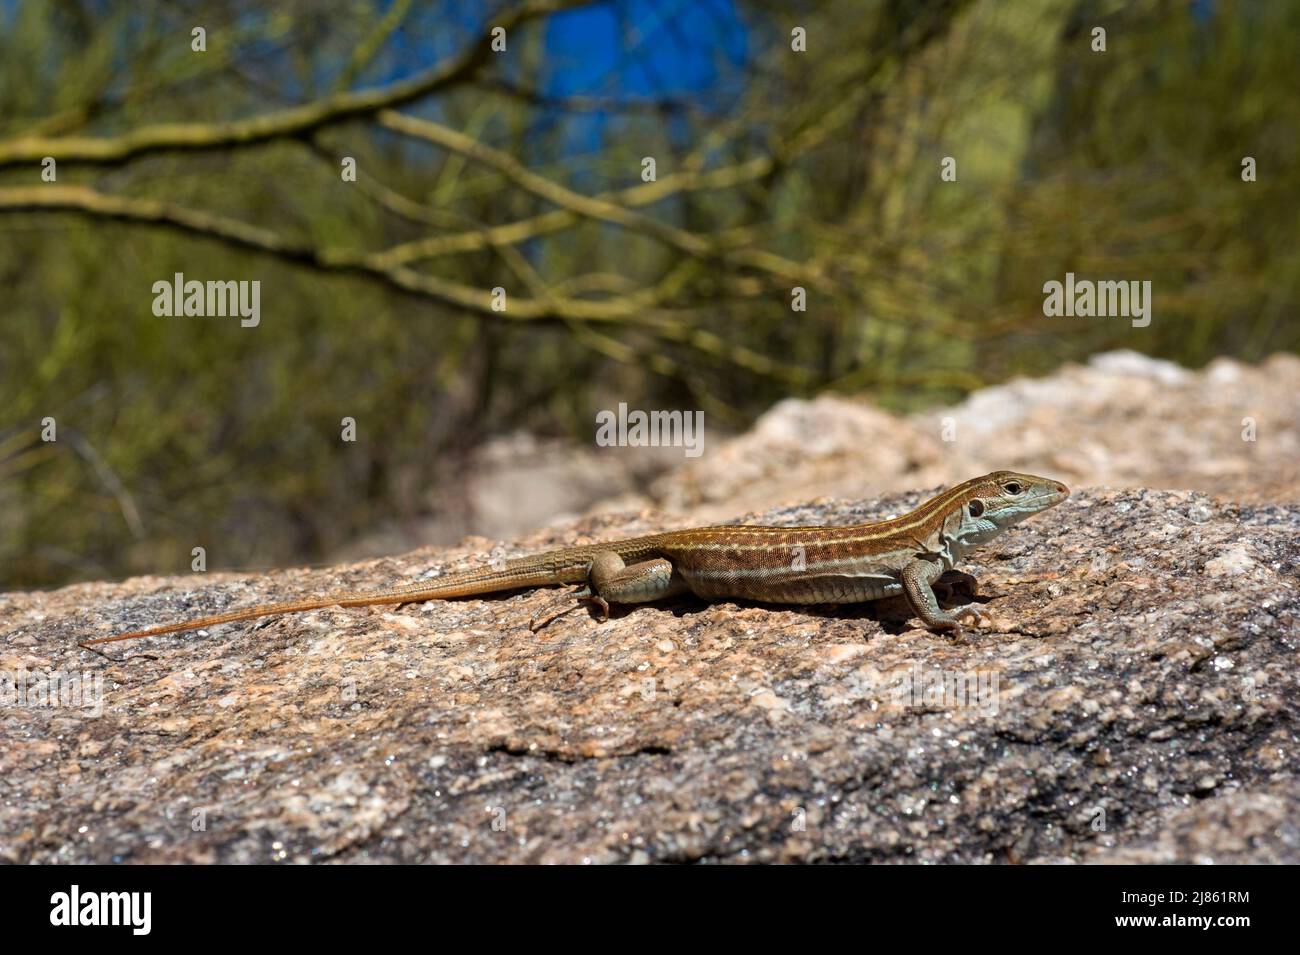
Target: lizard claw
x,y
951,624
546,616
973,615
550,613
553,610
600,602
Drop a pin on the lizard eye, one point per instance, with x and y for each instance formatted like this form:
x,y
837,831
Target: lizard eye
x,y
1011,487
976,507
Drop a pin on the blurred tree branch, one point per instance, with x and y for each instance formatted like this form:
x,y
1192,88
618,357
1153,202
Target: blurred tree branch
x,y
296,121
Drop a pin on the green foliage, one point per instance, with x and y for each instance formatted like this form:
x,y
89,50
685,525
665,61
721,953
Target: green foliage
x,y
177,432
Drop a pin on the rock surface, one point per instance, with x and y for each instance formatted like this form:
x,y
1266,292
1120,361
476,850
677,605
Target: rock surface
x,y
1123,419
1135,699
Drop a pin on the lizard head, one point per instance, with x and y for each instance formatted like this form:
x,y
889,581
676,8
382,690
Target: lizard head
x,y
996,501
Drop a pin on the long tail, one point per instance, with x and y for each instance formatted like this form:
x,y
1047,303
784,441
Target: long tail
x,y
526,572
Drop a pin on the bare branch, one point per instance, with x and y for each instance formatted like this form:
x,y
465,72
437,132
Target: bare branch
x,y
87,202
295,121
557,220
369,48
592,207
552,192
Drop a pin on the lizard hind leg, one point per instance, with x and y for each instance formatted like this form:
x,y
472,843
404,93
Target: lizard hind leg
x,y
617,582
610,580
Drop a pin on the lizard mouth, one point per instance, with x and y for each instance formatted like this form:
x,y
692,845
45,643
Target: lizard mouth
x,y
1052,495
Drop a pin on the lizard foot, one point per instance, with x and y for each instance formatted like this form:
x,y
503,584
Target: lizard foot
x,y
972,616
951,624
555,609
600,602
549,613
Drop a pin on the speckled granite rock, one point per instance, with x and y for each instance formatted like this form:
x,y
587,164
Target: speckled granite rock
x,y
1135,700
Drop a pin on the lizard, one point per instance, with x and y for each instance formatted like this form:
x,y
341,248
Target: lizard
x,y
778,565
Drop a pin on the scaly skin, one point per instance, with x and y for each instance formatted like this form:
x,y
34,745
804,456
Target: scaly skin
x,y
790,565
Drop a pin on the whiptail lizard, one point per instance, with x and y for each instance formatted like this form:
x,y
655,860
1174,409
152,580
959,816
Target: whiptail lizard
x,y
782,565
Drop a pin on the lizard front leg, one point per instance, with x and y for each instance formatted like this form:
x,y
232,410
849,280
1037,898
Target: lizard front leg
x,y
918,580
610,580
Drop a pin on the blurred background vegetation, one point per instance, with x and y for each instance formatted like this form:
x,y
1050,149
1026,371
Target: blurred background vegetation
x,y
523,170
